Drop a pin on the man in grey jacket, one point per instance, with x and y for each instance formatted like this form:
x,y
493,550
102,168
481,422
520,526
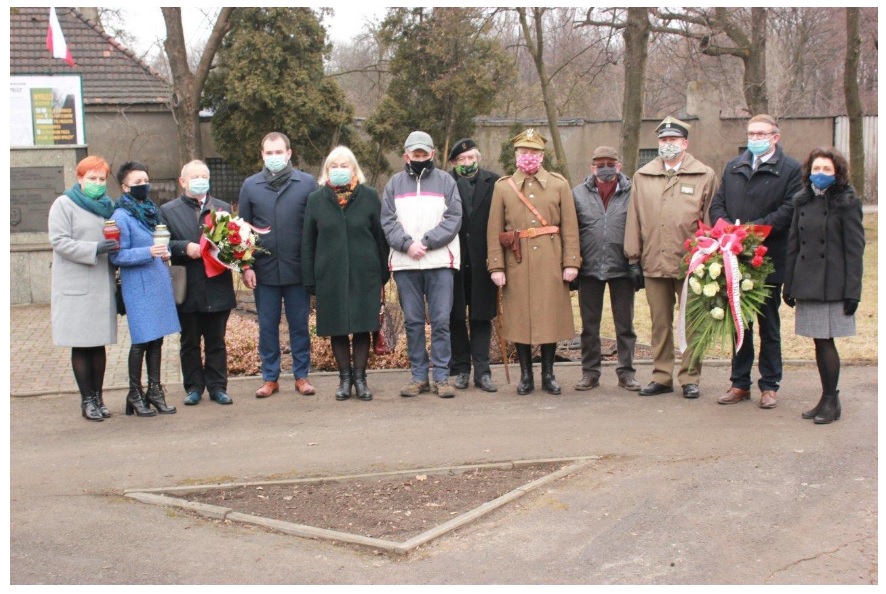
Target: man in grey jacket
x,y
601,203
421,216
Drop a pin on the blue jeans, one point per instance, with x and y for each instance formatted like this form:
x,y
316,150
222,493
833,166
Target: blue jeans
x,y
413,287
269,301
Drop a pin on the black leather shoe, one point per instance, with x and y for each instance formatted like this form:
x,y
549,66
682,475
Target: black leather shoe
x,y
462,380
691,391
485,383
655,388
221,397
192,398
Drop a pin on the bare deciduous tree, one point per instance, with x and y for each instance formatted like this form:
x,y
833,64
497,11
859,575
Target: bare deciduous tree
x,y
746,37
188,85
853,101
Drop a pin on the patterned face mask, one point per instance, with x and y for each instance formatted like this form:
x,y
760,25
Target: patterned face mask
x,y
529,163
467,170
669,151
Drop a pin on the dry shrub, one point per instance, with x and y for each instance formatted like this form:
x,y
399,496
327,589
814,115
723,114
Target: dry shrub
x,y
242,343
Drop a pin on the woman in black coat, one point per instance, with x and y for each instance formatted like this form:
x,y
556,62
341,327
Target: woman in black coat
x,y
344,263
824,267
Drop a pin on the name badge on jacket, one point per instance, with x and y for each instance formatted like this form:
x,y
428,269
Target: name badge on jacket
x,y
685,189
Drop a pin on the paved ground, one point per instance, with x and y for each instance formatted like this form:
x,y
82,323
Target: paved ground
x,y
686,492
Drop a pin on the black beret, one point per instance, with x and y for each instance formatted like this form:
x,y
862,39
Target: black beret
x,y
462,146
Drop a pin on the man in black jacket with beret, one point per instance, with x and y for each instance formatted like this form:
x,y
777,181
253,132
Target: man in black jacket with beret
x,y
474,299
758,188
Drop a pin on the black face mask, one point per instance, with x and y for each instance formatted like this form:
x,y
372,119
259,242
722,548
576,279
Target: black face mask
x,y
140,192
419,166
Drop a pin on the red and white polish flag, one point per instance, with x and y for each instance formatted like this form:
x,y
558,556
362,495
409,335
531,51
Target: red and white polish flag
x,y
55,40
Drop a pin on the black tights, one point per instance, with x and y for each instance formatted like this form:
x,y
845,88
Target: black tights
x,y
89,368
150,351
828,361
341,348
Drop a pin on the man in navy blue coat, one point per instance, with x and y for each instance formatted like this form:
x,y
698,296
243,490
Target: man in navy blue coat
x,y
758,187
276,198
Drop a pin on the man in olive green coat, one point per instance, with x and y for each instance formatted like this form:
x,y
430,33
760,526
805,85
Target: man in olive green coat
x,y
670,195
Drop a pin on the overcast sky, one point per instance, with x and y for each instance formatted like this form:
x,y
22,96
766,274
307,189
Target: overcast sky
x,y
145,23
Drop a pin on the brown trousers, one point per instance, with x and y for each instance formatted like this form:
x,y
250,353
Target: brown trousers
x,y
663,294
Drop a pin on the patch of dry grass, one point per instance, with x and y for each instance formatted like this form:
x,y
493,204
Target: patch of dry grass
x,y
861,347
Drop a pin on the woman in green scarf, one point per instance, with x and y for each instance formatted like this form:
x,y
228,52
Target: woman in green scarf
x,y
84,314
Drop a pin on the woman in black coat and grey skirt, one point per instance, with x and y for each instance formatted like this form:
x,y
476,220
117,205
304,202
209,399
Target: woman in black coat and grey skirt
x,y
824,267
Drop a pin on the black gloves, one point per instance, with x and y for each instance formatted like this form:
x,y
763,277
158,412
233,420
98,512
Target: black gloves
x,y
636,276
107,245
311,289
788,300
849,306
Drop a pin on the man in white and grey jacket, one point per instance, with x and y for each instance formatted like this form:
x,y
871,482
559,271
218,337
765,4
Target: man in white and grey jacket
x,y
421,216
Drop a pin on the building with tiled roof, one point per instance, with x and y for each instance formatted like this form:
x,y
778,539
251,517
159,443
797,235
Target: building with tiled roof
x,y
127,116
112,74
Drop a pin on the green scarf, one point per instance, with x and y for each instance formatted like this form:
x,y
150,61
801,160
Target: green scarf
x,y
144,211
102,206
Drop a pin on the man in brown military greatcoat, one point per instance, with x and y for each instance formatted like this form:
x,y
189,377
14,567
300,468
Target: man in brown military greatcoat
x,y
533,215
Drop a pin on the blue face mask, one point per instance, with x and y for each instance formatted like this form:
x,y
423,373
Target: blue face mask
x,y
821,180
339,176
759,146
198,186
275,163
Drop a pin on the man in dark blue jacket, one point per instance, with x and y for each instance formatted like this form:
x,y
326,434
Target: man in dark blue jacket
x,y
276,198
757,188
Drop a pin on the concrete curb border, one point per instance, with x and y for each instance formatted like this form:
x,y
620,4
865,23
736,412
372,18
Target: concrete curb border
x,y
153,496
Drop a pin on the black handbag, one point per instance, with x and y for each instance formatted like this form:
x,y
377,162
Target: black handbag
x,y
118,294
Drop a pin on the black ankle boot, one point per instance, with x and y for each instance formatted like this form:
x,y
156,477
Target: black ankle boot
x,y
346,380
135,402
157,397
810,414
89,408
527,381
363,392
548,382
830,410
97,396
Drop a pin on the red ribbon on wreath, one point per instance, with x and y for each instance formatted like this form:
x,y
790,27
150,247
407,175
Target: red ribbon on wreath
x,y
726,239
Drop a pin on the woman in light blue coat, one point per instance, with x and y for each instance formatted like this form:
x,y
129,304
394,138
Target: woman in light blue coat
x,y
147,289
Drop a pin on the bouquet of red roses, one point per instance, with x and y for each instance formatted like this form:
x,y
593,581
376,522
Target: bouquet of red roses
x,y
228,242
726,268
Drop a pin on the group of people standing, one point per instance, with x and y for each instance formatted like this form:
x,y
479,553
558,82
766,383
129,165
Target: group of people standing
x,y
462,246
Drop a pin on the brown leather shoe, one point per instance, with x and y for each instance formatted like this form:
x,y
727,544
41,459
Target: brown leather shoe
x,y
304,387
768,399
267,389
734,395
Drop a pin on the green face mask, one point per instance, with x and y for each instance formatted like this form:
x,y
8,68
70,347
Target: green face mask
x,y
467,170
94,190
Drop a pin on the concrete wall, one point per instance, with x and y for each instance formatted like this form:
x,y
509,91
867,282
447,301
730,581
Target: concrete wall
x,y
30,254
150,137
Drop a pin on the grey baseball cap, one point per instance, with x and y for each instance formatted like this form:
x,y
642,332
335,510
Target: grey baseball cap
x,y
419,140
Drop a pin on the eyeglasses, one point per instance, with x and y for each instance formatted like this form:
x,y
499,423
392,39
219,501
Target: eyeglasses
x,y
609,164
760,134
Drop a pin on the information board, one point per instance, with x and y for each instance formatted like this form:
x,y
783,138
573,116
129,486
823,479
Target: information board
x,y
46,111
